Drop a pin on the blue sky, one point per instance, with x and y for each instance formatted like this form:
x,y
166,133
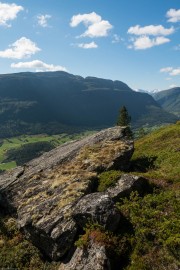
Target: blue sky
x,y
135,41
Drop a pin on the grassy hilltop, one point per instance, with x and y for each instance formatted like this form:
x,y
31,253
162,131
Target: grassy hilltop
x,y
149,238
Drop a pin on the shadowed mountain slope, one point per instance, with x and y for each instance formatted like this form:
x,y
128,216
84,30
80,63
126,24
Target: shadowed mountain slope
x,y
49,102
169,100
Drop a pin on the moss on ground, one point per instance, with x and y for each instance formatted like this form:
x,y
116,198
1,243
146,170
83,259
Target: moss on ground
x,y
150,225
108,179
155,235
18,253
157,155
149,235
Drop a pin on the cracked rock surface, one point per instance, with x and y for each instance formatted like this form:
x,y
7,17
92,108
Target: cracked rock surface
x,y
45,192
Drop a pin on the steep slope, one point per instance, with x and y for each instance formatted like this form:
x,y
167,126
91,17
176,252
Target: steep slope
x,y
157,154
50,102
55,201
46,190
169,100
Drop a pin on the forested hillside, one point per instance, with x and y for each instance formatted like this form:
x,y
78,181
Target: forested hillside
x,y
55,102
169,100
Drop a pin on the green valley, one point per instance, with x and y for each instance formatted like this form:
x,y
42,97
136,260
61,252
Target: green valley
x,y
16,144
59,102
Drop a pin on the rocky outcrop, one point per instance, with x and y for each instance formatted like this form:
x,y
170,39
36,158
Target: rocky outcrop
x,y
100,209
126,184
93,257
97,208
45,192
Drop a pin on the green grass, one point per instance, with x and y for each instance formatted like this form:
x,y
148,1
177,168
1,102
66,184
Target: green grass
x,y
155,227
18,253
108,179
150,224
17,142
157,155
148,236
7,166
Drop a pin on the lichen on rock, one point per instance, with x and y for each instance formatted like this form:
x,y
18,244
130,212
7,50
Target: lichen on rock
x,y
45,191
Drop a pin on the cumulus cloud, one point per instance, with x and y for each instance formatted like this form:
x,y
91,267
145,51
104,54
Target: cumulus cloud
x,y
145,42
43,20
87,19
22,48
173,15
171,71
99,29
8,12
150,30
38,66
96,27
91,45
149,36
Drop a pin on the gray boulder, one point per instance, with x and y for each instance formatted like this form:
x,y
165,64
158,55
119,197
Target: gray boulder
x,y
126,184
44,192
96,208
91,258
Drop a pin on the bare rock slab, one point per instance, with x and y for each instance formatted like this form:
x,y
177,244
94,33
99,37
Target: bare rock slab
x,y
126,184
91,258
44,191
97,208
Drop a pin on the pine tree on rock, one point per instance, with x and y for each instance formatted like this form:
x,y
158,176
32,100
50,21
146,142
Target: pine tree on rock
x,y
124,119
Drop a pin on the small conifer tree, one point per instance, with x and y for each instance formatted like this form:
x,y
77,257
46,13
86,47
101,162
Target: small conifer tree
x,y
124,119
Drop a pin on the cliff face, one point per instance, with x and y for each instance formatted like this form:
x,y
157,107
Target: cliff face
x,y
48,193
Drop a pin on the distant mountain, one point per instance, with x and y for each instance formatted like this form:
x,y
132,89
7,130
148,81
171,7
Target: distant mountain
x,y
169,100
148,92
54,102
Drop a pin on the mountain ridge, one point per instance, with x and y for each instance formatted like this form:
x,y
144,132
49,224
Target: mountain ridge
x,y
47,102
169,100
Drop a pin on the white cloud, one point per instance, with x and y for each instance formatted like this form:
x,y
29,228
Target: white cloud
x,y
22,48
166,70
172,86
171,71
149,36
87,19
173,15
91,45
38,66
146,42
8,12
96,27
175,72
99,29
43,20
150,30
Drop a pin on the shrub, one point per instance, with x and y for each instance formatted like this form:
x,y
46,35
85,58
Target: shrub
x,y
156,224
16,252
117,246
108,179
